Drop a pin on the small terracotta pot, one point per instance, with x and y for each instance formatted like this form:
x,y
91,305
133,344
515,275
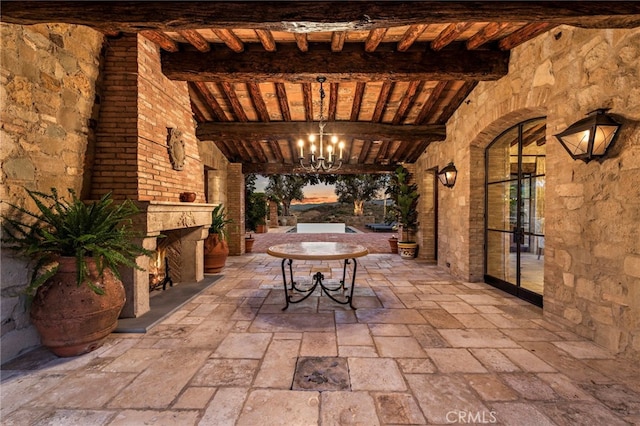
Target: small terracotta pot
x,y
216,252
188,197
248,244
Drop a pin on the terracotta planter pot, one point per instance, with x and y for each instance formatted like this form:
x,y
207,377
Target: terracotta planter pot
x,y
261,229
73,319
216,252
407,250
393,245
248,244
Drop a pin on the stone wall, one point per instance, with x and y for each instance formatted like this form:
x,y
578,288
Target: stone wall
x,y
592,251
47,75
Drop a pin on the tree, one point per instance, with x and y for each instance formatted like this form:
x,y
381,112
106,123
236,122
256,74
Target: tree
x,y
285,189
358,189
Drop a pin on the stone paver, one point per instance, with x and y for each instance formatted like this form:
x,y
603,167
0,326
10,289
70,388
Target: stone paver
x,y
422,348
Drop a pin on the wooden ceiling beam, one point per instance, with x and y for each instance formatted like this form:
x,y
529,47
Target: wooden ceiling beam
x,y
489,32
357,100
407,101
333,102
337,40
383,98
524,34
301,41
160,39
456,101
232,41
366,147
258,101
281,93
310,16
274,168
275,149
410,36
307,101
196,40
211,101
267,40
353,64
374,39
430,105
344,129
449,34
232,98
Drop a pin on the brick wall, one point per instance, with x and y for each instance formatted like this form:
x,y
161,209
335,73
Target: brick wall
x,y
138,106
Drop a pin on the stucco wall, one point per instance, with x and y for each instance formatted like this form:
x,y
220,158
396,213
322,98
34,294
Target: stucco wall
x,y
592,252
48,75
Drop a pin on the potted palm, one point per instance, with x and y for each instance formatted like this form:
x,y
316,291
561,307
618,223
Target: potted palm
x,y
405,196
75,250
216,249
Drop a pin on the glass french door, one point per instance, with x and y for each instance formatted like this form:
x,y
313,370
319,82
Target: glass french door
x,y
514,224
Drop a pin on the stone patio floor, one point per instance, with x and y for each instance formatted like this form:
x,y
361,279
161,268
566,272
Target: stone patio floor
x,y
421,348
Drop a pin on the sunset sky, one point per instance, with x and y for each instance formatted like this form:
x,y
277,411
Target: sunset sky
x,y
313,194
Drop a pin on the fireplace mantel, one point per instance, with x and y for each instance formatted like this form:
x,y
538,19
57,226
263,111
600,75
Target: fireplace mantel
x,y
192,220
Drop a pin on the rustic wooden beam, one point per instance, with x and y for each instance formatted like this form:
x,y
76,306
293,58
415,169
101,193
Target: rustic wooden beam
x,y
383,98
348,65
211,101
232,41
457,99
311,16
374,39
267,40
232,98
449,34
258,101
410,36
160,39
337,40
407,101
275,149
430,105
200,117
307,101
273,168
333,101
366,147
523,34
416,151
281,93
490,31
357,100
301,41
196,40
284,130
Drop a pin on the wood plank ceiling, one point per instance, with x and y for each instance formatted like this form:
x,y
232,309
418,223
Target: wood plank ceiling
x,y
395,71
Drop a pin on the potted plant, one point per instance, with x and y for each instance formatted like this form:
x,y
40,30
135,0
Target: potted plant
x,y
75,248
393,244
256,212
248,243
216,249
405,196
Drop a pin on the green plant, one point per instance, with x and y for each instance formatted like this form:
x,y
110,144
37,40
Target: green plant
x,y
219,222
256,212
100,230
405,202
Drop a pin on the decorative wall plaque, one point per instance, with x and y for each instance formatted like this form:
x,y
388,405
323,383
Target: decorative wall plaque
x,y
175,144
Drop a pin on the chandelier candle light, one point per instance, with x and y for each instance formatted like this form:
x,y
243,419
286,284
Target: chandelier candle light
x,y
321,163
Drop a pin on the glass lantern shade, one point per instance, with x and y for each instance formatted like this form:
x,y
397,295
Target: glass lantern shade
x,y
590,137
448,175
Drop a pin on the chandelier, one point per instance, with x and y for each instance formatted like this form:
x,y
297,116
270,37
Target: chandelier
x,y
318,162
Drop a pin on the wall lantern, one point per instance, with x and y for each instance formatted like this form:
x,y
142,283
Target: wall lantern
x,y
590,137
448,175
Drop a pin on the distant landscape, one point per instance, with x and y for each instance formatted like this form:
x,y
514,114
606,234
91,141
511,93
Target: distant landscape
x,y
335,212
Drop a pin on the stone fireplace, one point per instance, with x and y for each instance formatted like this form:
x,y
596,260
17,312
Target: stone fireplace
x,y
187,225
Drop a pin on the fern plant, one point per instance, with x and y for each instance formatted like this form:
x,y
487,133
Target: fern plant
x,y
405,201
101,230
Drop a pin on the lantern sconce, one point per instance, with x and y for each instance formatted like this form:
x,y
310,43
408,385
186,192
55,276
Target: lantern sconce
x,y
590,137
448,175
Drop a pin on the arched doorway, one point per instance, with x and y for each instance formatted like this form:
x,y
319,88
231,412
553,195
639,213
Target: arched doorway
x,y
514,206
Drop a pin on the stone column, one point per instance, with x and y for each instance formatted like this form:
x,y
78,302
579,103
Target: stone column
x,y
136,282
192,254
273,214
